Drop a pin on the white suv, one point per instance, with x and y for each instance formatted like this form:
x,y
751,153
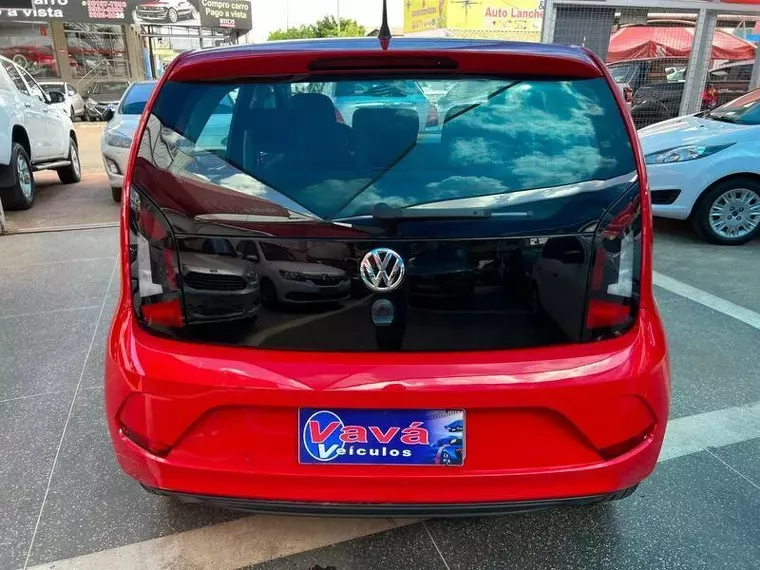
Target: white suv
x,y
33,136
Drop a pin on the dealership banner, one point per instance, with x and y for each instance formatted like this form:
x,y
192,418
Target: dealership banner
x,y
507,19
208,13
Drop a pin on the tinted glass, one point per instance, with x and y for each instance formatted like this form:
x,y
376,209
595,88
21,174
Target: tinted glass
x,y
135,98
745,110
110,88
519,136
377,89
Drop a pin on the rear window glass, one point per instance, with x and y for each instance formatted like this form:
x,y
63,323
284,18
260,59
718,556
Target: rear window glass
x,y
376,89
135,98
319,157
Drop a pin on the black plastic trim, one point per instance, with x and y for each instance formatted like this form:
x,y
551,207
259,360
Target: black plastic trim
x,y
388,509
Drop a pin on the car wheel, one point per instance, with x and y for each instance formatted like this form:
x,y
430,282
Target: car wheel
x,y
268,294
116,194
173,16
20,196
445,458
729,213
73,172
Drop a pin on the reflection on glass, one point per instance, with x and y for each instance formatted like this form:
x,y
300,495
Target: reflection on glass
x,y
30,46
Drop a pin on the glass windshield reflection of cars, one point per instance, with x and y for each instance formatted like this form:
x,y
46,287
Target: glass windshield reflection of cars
x,y
305,183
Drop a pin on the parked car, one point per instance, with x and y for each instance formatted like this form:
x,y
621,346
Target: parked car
x,y
706,168
117,136
170,11
290,276
637,73
73,104
219,285
661,101
448,450
102,94
31,137
35,60
269,421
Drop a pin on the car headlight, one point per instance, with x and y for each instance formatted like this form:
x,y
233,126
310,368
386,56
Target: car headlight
x,y
117,139
683,153
292,275
90,103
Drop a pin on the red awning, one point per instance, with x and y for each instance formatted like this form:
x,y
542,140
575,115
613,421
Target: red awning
x,y
638,42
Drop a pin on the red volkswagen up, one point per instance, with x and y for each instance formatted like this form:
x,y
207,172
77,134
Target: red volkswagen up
x,y
406,306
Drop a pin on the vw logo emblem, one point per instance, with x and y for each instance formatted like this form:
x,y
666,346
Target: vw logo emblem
x,y
382,270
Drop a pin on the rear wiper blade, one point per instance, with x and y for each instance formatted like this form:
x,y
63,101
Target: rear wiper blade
x,y
383,211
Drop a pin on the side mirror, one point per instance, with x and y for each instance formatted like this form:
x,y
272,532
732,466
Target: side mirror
x,y
108,114
56,97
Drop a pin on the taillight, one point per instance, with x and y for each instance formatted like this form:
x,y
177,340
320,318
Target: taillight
x,y
154,269
432,116
615,271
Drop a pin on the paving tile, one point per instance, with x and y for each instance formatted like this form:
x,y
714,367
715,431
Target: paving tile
x,y
744,457
714,357
407,548
30,429
692,514
44,353
680,254
93,372
93,506
32,289
58,247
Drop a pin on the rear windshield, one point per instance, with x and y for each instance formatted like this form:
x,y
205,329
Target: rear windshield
x,y
313,155
135,98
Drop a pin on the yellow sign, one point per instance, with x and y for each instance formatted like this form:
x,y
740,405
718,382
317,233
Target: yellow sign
x,y
507,19
422,15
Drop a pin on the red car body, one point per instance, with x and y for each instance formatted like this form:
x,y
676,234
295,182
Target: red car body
x,y
569,422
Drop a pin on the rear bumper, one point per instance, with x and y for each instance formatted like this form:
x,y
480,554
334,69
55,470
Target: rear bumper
x,y
388,510
540,423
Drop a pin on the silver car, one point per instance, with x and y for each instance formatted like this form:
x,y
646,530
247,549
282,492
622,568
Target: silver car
x,y
117,136
73,104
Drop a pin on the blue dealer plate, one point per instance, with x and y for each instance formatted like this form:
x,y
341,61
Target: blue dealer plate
x,y
381,437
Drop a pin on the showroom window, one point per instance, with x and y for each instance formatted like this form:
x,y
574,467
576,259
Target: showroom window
x,y
96,50
30,46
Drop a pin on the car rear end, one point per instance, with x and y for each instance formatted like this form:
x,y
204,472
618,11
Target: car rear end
x,y
550,378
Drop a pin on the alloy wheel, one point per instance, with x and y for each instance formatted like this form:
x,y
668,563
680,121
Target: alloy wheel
x,y
735,213
24,177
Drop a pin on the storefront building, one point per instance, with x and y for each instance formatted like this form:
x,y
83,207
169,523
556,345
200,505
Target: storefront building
x,y
82,41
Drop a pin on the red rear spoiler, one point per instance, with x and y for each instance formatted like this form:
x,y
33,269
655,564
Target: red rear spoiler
x,y
229,65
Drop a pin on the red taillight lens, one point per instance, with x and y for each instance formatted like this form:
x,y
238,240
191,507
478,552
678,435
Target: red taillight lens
x,y
615,272
432,116
154,267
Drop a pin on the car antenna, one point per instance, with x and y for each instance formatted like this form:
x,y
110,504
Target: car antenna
x,y
384,35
